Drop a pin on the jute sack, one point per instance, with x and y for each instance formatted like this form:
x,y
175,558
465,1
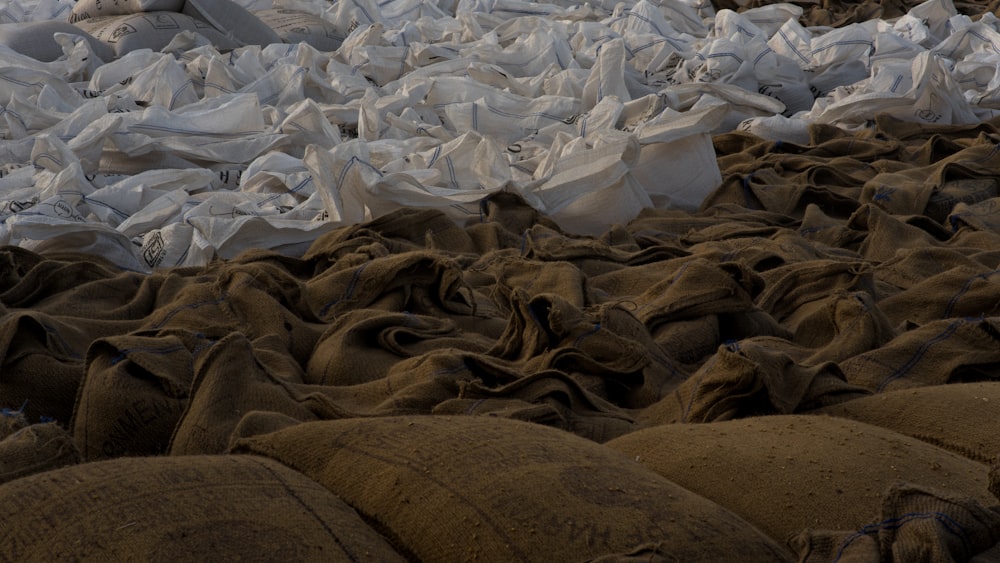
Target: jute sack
x,y
941,351
34,448
133,393
752,377
463,488
234,377
182,508
960,417
786,473
944,294
913,525
362,345
41,364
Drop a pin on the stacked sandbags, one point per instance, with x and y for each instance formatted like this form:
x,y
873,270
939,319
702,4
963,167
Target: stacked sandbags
x,y
153,24
464,488
182,509
788,473
294,26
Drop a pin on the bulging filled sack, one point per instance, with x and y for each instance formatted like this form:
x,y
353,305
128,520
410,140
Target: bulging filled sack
x,y
477,487
786,473
86,9
960,417
150,30
36,39
182,508
294,26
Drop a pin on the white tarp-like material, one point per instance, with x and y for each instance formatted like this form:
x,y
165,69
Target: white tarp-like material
x,y
175,154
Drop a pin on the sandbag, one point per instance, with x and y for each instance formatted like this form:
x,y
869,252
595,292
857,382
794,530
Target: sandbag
x,y
960,417
233,21
150,30
35,39
786,473
462,488
182,509
294,26
86,9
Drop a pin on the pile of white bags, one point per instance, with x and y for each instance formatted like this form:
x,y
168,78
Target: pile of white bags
x,y
271,123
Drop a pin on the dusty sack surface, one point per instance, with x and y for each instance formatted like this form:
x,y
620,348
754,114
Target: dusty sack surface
x,y
546,494
786,473
180,508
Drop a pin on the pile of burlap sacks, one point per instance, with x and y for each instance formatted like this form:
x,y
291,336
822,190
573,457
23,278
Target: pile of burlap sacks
x,y
804,367
760,381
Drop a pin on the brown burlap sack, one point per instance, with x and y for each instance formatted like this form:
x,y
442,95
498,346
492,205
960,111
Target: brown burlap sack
x,y
262,295
697,288
362,345
960,417
886,235
842,325
788,473
462,488
182,509
421,282
912,266
502,273
790,287
608,351
945,294
914,525
34,448
234,377
749,378
134,392
41,364
27,448
942,351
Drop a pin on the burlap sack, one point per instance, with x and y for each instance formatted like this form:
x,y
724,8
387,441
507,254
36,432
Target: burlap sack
x,y
459,488
788,473
182,509
34,448
421,282
943,294
133,394
959,417
41,364
261,294
914,524
610,352
749,378
234,377
842,325
361,346
791,287
941,351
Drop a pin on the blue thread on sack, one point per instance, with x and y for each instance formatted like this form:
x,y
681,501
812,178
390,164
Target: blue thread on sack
x,y
896,523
